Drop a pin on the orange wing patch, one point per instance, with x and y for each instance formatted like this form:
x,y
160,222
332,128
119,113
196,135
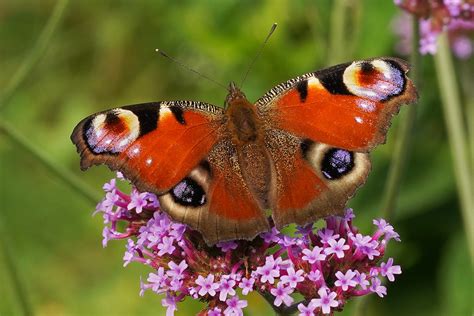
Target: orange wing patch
x,y
347,106
155,145
163,157
339,120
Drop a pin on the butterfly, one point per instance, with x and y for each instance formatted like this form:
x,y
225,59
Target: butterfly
x,y
300,150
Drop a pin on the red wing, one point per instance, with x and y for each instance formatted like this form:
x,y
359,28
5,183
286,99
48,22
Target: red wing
x,y
311,180
155,144
346,106
215,199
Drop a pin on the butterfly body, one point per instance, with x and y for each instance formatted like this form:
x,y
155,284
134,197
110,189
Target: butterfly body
x,y
301,150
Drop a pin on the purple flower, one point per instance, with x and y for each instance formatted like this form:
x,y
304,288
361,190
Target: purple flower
x,y
437,16
345,280
326,300
246,285
313,255
305,230
110,186
176,270
226,287
307,310
336,247
349,215
282,294
157,279
227,245
109,202
170,303
377,287
276,264
388,269
293,277
314,275
268,272
166,246
366,245
272,236
137,201
361,279
207,285
130,253
325,234
214,312
234,306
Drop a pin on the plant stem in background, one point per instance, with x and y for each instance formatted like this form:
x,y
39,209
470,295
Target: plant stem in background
x,y
470,126
16,79
65,175
457,135
336,33
404,136
12,270
36,52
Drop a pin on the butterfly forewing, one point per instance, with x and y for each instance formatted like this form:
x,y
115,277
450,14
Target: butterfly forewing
x,y
155,144
346,106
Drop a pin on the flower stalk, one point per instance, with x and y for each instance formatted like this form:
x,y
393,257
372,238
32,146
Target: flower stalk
x,y
456,129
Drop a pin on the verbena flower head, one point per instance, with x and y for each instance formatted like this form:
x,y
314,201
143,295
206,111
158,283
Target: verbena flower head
x,y
435,16
325,266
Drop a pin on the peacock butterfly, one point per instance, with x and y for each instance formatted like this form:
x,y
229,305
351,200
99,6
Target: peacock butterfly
x,y
301,150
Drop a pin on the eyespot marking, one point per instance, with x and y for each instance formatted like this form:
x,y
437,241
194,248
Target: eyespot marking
x,y
375,80
188,193
337,163
111,132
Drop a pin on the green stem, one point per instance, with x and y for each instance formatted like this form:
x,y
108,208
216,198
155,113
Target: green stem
x,y
36,52
337,32
470,125
65,175
12,269
16,79
457,136
404,136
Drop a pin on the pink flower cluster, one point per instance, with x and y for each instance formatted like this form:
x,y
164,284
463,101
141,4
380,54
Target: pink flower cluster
x,y
326,266
455,16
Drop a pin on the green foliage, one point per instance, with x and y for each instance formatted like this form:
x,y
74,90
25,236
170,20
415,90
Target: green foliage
x,y
102,55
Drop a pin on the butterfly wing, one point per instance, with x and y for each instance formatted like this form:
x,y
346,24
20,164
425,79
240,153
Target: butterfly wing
x,y
177,150
346,106
311,180
223,207
154,144
321,126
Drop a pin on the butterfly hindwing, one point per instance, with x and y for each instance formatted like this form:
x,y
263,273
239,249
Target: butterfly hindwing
x,y
346,106
311,180
216,200
154,144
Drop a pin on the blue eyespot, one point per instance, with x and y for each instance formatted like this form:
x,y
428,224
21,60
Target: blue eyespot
x,y
189,193
337,163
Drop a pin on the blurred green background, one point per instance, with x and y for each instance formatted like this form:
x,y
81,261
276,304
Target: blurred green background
x,y
101,55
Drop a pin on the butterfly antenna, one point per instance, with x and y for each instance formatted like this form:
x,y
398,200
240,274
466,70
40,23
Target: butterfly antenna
x,y
162,53
272,29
